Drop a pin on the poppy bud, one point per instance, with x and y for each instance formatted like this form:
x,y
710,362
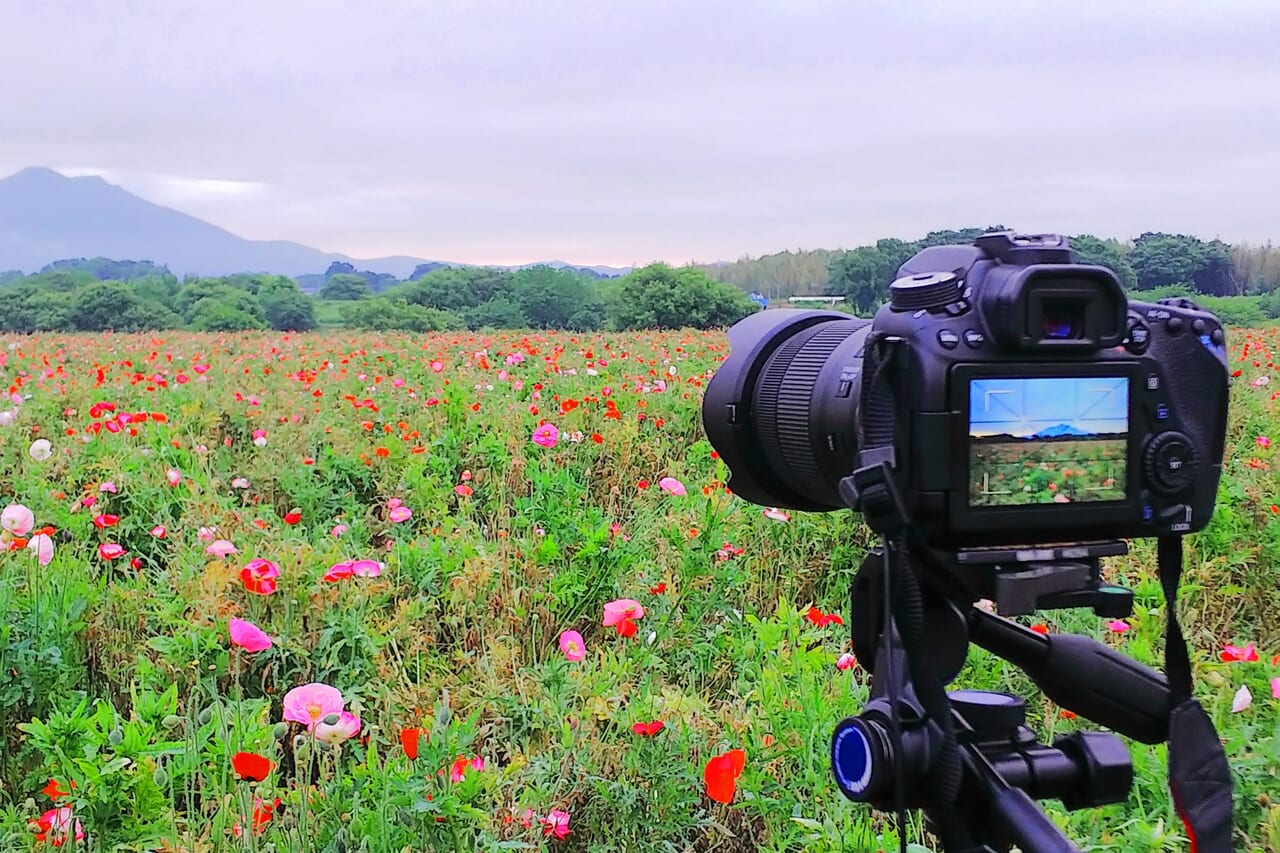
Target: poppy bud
x,y
172,721
160,777
116,737
205,716
281,731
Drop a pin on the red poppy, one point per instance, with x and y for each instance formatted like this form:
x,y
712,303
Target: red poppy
x,y
250,766
721,775
822,620
292,517
626,628
648,729
658,589
54,789
409,739
106,520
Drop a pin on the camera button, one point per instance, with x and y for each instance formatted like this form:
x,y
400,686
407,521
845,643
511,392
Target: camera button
x,y
1153,381
1138,338
973,338
1198,326
948,339
1148,512
1218,337
1175,324
1162,412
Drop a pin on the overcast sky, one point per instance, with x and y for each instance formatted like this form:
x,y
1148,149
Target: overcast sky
x,y
617,132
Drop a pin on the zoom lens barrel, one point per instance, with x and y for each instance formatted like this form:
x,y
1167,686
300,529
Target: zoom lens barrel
x,y
782,409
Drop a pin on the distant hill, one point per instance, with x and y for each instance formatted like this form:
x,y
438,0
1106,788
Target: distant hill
x,y
46,217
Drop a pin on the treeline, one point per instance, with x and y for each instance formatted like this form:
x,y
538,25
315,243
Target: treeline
x,y
656,296
61,300
1152,260
67,297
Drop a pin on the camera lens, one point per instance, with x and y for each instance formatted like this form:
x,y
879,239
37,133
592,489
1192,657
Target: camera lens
x,y
782,409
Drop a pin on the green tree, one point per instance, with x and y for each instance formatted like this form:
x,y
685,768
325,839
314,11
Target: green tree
x,y
285,307
501,312
660,297
224,308
457,289
384,314
1160,259
114,306
346,287
1111,254
864,274
550,298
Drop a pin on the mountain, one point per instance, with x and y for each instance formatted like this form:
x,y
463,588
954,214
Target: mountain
x,y
1059,431
46,216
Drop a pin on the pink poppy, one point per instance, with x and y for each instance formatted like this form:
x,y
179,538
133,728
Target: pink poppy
x,y
248,636
220,548
672,486
108,486
17,519
337,572
400,513
173,476
776,514
1118,625
624,609
259,576
556,824
311,703
110,550
572,646
1247,654
366,568
546,435
42,545
846,661
347,727
159,532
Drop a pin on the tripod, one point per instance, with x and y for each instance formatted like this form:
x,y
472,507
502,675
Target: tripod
x,y
978,773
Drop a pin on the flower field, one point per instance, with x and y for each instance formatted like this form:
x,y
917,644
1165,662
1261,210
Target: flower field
x,y
473,592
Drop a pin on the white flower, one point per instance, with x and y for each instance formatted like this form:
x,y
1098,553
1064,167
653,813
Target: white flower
x,y
1242,700
6,417
41,449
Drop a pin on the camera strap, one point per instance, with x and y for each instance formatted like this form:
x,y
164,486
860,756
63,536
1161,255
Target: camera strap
x,y
1199,777
872,490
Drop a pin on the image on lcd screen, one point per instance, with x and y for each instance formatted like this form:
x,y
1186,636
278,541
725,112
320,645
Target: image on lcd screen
x,y
1047,440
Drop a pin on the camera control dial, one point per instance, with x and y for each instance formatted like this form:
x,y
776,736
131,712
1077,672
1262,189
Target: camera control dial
x,y
1169,462
926,290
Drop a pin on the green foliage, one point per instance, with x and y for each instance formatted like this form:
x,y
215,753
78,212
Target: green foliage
x,y
500,312
115,306
1159,259
346,286
105,269
223,308
551,299
777,276
1112,254
383,313
1235,310
864,274
660,297
285,307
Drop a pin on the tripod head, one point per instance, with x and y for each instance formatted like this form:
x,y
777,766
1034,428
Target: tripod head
x,y
888,756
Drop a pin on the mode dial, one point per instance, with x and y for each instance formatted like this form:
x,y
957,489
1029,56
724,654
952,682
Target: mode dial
x,y
924,290
1169,462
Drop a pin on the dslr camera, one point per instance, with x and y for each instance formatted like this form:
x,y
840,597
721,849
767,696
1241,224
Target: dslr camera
x,y
1004,421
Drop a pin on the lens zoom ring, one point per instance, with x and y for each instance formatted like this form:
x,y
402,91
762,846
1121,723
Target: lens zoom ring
x,y
786,396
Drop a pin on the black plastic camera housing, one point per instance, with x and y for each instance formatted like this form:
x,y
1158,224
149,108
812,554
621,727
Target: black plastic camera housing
x,y
1035,403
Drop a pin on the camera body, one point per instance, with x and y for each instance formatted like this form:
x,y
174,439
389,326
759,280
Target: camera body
x,y
1033,402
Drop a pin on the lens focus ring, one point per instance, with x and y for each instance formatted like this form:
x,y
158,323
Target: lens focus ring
x,y
784,398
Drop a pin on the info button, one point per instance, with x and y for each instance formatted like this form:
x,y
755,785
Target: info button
x,y
973,338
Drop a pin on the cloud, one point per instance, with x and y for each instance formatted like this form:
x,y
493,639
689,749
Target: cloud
x,y
614,131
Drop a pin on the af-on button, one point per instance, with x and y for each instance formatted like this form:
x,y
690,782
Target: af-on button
x,y
948,339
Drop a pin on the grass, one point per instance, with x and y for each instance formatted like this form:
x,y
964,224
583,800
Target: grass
x,y
119,682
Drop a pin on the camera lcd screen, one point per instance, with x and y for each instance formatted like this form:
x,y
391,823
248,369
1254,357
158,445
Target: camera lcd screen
x,y
1047,440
